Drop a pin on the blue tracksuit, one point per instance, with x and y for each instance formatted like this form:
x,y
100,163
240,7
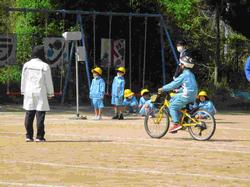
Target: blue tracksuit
x,y
186,94
97,91
143,112
207,105
142,101
247,68
118,86
131,103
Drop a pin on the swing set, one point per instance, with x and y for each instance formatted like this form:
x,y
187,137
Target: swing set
x,y
79,20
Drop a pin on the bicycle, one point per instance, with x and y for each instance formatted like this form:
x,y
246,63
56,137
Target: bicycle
x,y
200,123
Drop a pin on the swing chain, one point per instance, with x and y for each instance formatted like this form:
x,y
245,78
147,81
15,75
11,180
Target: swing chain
x,y
144,52
94,39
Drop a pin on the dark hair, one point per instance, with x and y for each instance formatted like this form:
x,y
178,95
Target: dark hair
x,y
38,52
181,42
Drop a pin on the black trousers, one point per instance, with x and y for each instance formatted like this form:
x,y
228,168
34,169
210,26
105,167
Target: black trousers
x,y
28,123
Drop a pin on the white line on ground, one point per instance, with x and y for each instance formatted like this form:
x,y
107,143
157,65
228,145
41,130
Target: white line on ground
x,y
127,170
122,140
26,184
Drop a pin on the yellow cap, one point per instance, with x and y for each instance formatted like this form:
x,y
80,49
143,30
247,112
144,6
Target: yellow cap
x,y
144,91
97,70
121,69
202,93
128,93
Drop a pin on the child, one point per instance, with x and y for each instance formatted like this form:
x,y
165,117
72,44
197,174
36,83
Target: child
x,y
130,102
186,80
97,90
118,92
145,96
205,103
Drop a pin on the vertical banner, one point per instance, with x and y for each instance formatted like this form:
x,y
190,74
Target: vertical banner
x,y
7,49
56,50
105,52
112,52
118,53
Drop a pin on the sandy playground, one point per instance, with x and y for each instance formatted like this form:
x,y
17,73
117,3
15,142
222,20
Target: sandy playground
x,y
120,153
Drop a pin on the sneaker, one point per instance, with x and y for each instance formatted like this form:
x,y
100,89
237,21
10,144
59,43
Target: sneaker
x,y
95,118
40,140
29,140
175,128
115,117
98,117
121,117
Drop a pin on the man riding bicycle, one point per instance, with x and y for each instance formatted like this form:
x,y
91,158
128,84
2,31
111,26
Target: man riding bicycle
x,y
187,90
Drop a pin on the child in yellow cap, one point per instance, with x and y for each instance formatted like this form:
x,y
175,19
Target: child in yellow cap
x,y
203,102
130,102
145,96
118,86
97,91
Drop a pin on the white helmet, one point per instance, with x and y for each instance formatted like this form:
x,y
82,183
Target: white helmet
x,y
187,61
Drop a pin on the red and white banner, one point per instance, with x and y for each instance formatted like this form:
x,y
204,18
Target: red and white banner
x,y
113,52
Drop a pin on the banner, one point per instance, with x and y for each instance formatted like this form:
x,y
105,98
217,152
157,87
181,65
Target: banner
x,y
105,52
56,50
112,52
7,49
118,53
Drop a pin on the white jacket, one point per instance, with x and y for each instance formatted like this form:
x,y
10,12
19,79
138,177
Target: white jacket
x,y
36,85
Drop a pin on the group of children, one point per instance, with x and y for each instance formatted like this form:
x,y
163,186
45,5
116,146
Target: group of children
x,y
184,84
121,98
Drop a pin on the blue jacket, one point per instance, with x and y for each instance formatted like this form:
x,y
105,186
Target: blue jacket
x,y
247,69
118,86
208,105
97,88
130,102
142,101
188,85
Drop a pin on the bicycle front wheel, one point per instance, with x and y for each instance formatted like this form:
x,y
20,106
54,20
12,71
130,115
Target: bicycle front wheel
x,y
156,123
205,126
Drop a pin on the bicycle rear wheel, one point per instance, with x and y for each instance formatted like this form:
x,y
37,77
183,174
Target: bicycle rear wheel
x,y
156,123
205,127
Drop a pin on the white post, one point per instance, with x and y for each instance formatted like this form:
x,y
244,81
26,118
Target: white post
x,y
75,36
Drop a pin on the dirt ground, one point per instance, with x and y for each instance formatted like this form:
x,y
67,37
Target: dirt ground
x,y
120,153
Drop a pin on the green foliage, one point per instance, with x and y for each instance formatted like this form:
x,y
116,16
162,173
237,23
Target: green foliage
x,y
28,25
10,73
181,11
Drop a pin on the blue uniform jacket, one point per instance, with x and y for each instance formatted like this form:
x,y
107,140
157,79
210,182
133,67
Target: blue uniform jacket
x,y
188,85
142,101
130,102
97,88
247,68
207,105
118,86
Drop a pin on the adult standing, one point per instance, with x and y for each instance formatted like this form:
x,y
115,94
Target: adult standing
x,y
181,47
36,87
247,69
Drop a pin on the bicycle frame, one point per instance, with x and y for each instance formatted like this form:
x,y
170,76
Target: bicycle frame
x,y
184,112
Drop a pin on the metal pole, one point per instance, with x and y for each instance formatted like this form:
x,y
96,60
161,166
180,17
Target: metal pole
x,y
144,53
77,82
130,63
79,19
94,20
162,56
10,9
169,40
